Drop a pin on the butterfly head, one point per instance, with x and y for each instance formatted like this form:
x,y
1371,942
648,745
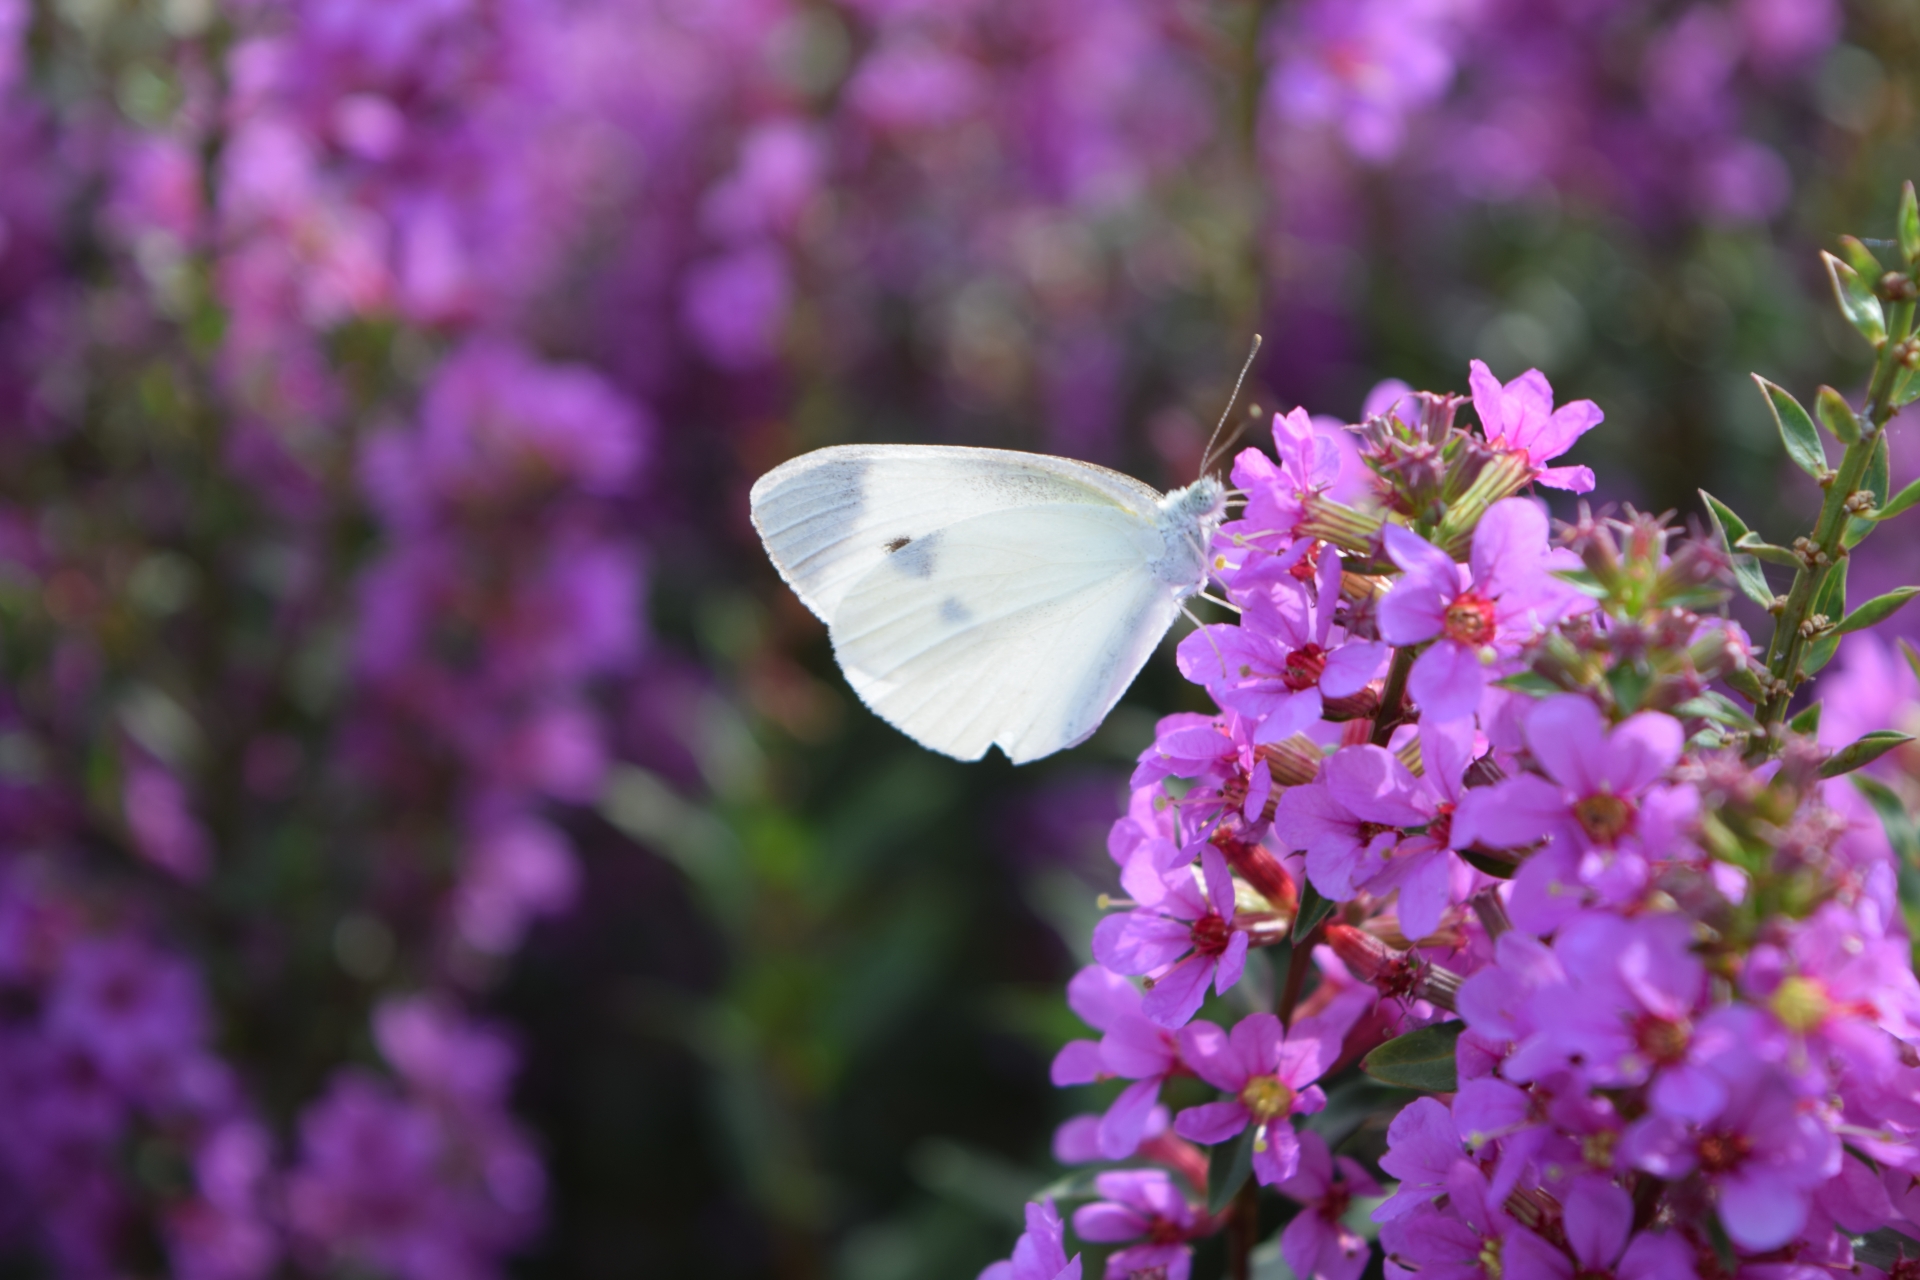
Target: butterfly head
x,y
1187,520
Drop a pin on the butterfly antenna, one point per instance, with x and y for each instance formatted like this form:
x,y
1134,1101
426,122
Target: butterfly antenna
x,y
1206,459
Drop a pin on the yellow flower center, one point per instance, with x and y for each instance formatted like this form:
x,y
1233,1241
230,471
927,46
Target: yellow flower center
x,y
1266,1097
1801,1004
1490,1257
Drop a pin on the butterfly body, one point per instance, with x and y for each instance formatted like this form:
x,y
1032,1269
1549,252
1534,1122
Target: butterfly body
x,y
980,597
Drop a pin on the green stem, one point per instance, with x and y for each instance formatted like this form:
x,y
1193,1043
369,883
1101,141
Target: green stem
x,y
1787,649
1243,1232
1392,698
1298,961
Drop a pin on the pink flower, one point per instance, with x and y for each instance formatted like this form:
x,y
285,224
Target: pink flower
x,y
1040,1252
1354,820
1269,1072
1599,804
1181,944
1520,418
1137,1203
1512,595
1133,1048
1318,1244
1274,667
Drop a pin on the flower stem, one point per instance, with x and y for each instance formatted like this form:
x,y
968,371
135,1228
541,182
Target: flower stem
x,y
1787,650
1297,961
1393,698
1243,1233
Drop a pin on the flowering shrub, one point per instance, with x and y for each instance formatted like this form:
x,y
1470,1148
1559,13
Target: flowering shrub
x,y
1525,820
373,371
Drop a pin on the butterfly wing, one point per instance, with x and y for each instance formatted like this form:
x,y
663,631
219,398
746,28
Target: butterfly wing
x,y
830,517
1020,628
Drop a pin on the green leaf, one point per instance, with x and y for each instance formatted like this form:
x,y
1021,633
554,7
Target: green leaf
x,y
1482,861
1754,545
1746,683
1912,656
1718,708
1863,751
1836,415
1876,481
1422,1059
1797,431
1899,503
1629,683
1313,909
1807,722
1723,1250
1820,653
1909,224
1731,526
1861,257
1529,682
1877,609
1831,600
1751,579
1228,1168
1857,303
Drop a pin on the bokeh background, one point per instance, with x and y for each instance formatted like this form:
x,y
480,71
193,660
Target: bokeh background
x,y
433,844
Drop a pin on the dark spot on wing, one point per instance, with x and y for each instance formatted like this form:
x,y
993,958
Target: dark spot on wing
x,y
955,614
915,558
894,544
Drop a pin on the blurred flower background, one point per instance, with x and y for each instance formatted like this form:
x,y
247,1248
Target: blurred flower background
x,y
433,844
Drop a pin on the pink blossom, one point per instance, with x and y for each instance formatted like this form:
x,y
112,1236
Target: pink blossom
x,y
1520,418
1318,1244
1268,1071
1473,624
1181,944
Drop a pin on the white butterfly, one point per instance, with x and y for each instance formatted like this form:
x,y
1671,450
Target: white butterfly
x,y
981,597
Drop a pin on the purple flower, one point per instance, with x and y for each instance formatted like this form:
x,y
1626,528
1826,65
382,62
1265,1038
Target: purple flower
x,y
1520,418
1842,982
1365,66
736,305
1269,1071
1137,1203
520,868
1422,1149
1279,493
1040,1252
1622,998
1318,1244
164,830
1602,802
139,1014
1352,822
1473,1238
1181,944
1763,1156
1133,1048
1511,596
1274,667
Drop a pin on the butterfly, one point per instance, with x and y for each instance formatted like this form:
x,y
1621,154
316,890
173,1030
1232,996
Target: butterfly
x,y
983,597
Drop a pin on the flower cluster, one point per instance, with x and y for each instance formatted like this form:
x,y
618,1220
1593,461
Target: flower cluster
x,y
1485,784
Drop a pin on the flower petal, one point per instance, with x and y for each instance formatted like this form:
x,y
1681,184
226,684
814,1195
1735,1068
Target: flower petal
x,y
1372,784
1447,680
1211,1122
1352,665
